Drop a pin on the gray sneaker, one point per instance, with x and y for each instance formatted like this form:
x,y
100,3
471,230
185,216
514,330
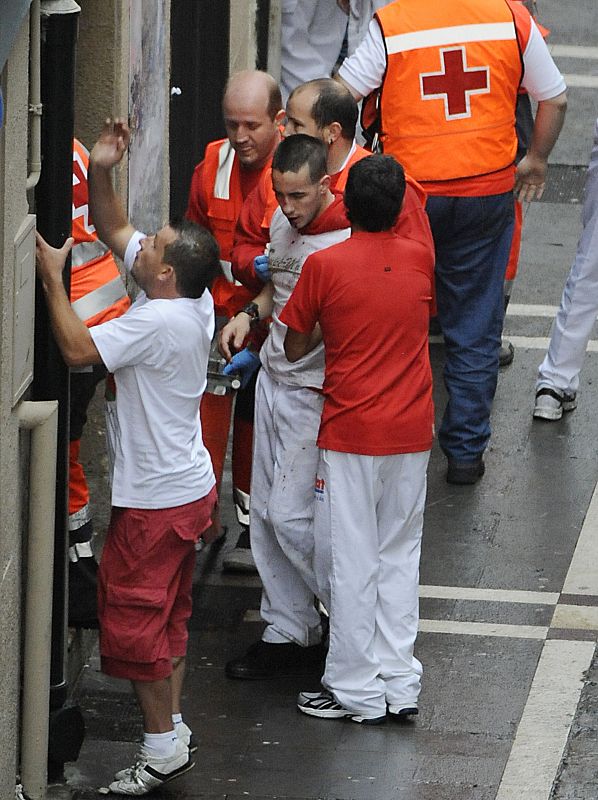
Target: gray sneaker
x,y
241,558
550,403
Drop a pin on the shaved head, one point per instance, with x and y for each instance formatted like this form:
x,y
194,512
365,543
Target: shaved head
x,y
252,111
254,87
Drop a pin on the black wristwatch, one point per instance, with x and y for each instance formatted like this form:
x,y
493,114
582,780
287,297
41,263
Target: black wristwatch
x,y
253,311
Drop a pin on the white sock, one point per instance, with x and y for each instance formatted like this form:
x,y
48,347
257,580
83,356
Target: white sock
x,y
160,745
176,719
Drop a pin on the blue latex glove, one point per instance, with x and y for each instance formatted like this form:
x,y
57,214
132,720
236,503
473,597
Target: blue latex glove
x,y
244,364
260,265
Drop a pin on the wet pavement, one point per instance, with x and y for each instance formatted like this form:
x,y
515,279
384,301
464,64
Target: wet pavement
x,y
509,588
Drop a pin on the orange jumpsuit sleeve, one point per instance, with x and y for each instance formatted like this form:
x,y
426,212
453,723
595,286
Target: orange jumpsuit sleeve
x,y
197,206
251,239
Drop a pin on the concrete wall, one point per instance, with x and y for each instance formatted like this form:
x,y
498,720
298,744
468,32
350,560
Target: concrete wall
x,y
102,78
13,208
243,48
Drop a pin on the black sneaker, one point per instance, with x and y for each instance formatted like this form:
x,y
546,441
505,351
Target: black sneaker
x,y
264,660
464,473
506,354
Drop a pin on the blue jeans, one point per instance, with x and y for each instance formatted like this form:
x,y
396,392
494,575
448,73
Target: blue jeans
x,y
472,236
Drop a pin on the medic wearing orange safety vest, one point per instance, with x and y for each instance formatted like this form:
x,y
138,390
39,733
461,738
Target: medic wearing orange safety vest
x,y
230,170
97,294
448,73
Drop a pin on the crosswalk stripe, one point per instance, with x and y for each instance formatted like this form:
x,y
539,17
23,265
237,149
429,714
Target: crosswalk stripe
x,y
528,342
468,628
546,721
581,81
529,310
582,576
488,595
572,51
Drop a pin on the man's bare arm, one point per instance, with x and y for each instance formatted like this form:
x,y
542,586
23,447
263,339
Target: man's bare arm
x,y
530,177
297,345
71,334
108,215
237,329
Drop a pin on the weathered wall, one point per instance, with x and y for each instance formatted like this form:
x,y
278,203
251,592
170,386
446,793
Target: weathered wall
x,y
13,208
102,73
243,47
149,93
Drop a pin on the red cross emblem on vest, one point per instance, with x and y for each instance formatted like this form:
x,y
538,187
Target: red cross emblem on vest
x,y
455,83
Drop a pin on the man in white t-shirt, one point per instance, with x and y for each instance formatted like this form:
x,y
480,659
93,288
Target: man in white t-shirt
x,y
163,484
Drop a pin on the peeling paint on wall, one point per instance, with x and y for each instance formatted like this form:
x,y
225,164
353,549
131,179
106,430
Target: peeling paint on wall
x,y
147,113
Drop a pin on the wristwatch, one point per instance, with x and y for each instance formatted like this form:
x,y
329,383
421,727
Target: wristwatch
x,y
253,311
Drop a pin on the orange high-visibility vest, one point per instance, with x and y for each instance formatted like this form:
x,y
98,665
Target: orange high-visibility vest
x,y
448,99
222,190
97,291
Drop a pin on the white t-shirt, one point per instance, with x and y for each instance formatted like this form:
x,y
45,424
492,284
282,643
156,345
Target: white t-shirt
x,y
158,352
365,69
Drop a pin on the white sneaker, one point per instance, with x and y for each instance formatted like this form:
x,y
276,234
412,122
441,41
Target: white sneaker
x,y
149,772
550,403
184,735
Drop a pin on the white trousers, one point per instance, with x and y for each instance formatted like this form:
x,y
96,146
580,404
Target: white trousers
x,y
312,33
575,318
285,460
368,529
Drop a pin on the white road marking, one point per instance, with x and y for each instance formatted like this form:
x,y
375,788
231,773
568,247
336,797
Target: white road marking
x,y
575,617
582,577
528,310
464,628
572,51
546,721
489,595
581,81
528,342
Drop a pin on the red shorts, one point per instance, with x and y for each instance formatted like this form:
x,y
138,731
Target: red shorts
x,y
144,587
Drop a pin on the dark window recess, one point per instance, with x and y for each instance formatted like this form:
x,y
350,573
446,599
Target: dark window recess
x,y
199,68
262,25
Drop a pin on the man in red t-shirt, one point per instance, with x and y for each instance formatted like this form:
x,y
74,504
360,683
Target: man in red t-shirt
x,y
368,298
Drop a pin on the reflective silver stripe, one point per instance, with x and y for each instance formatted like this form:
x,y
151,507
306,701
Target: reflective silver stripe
x,y
227,269
80,550
226,157
457,34
87,251
103,297
80,518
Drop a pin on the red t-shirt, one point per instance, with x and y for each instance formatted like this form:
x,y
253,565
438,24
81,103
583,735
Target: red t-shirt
x,y
371,295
